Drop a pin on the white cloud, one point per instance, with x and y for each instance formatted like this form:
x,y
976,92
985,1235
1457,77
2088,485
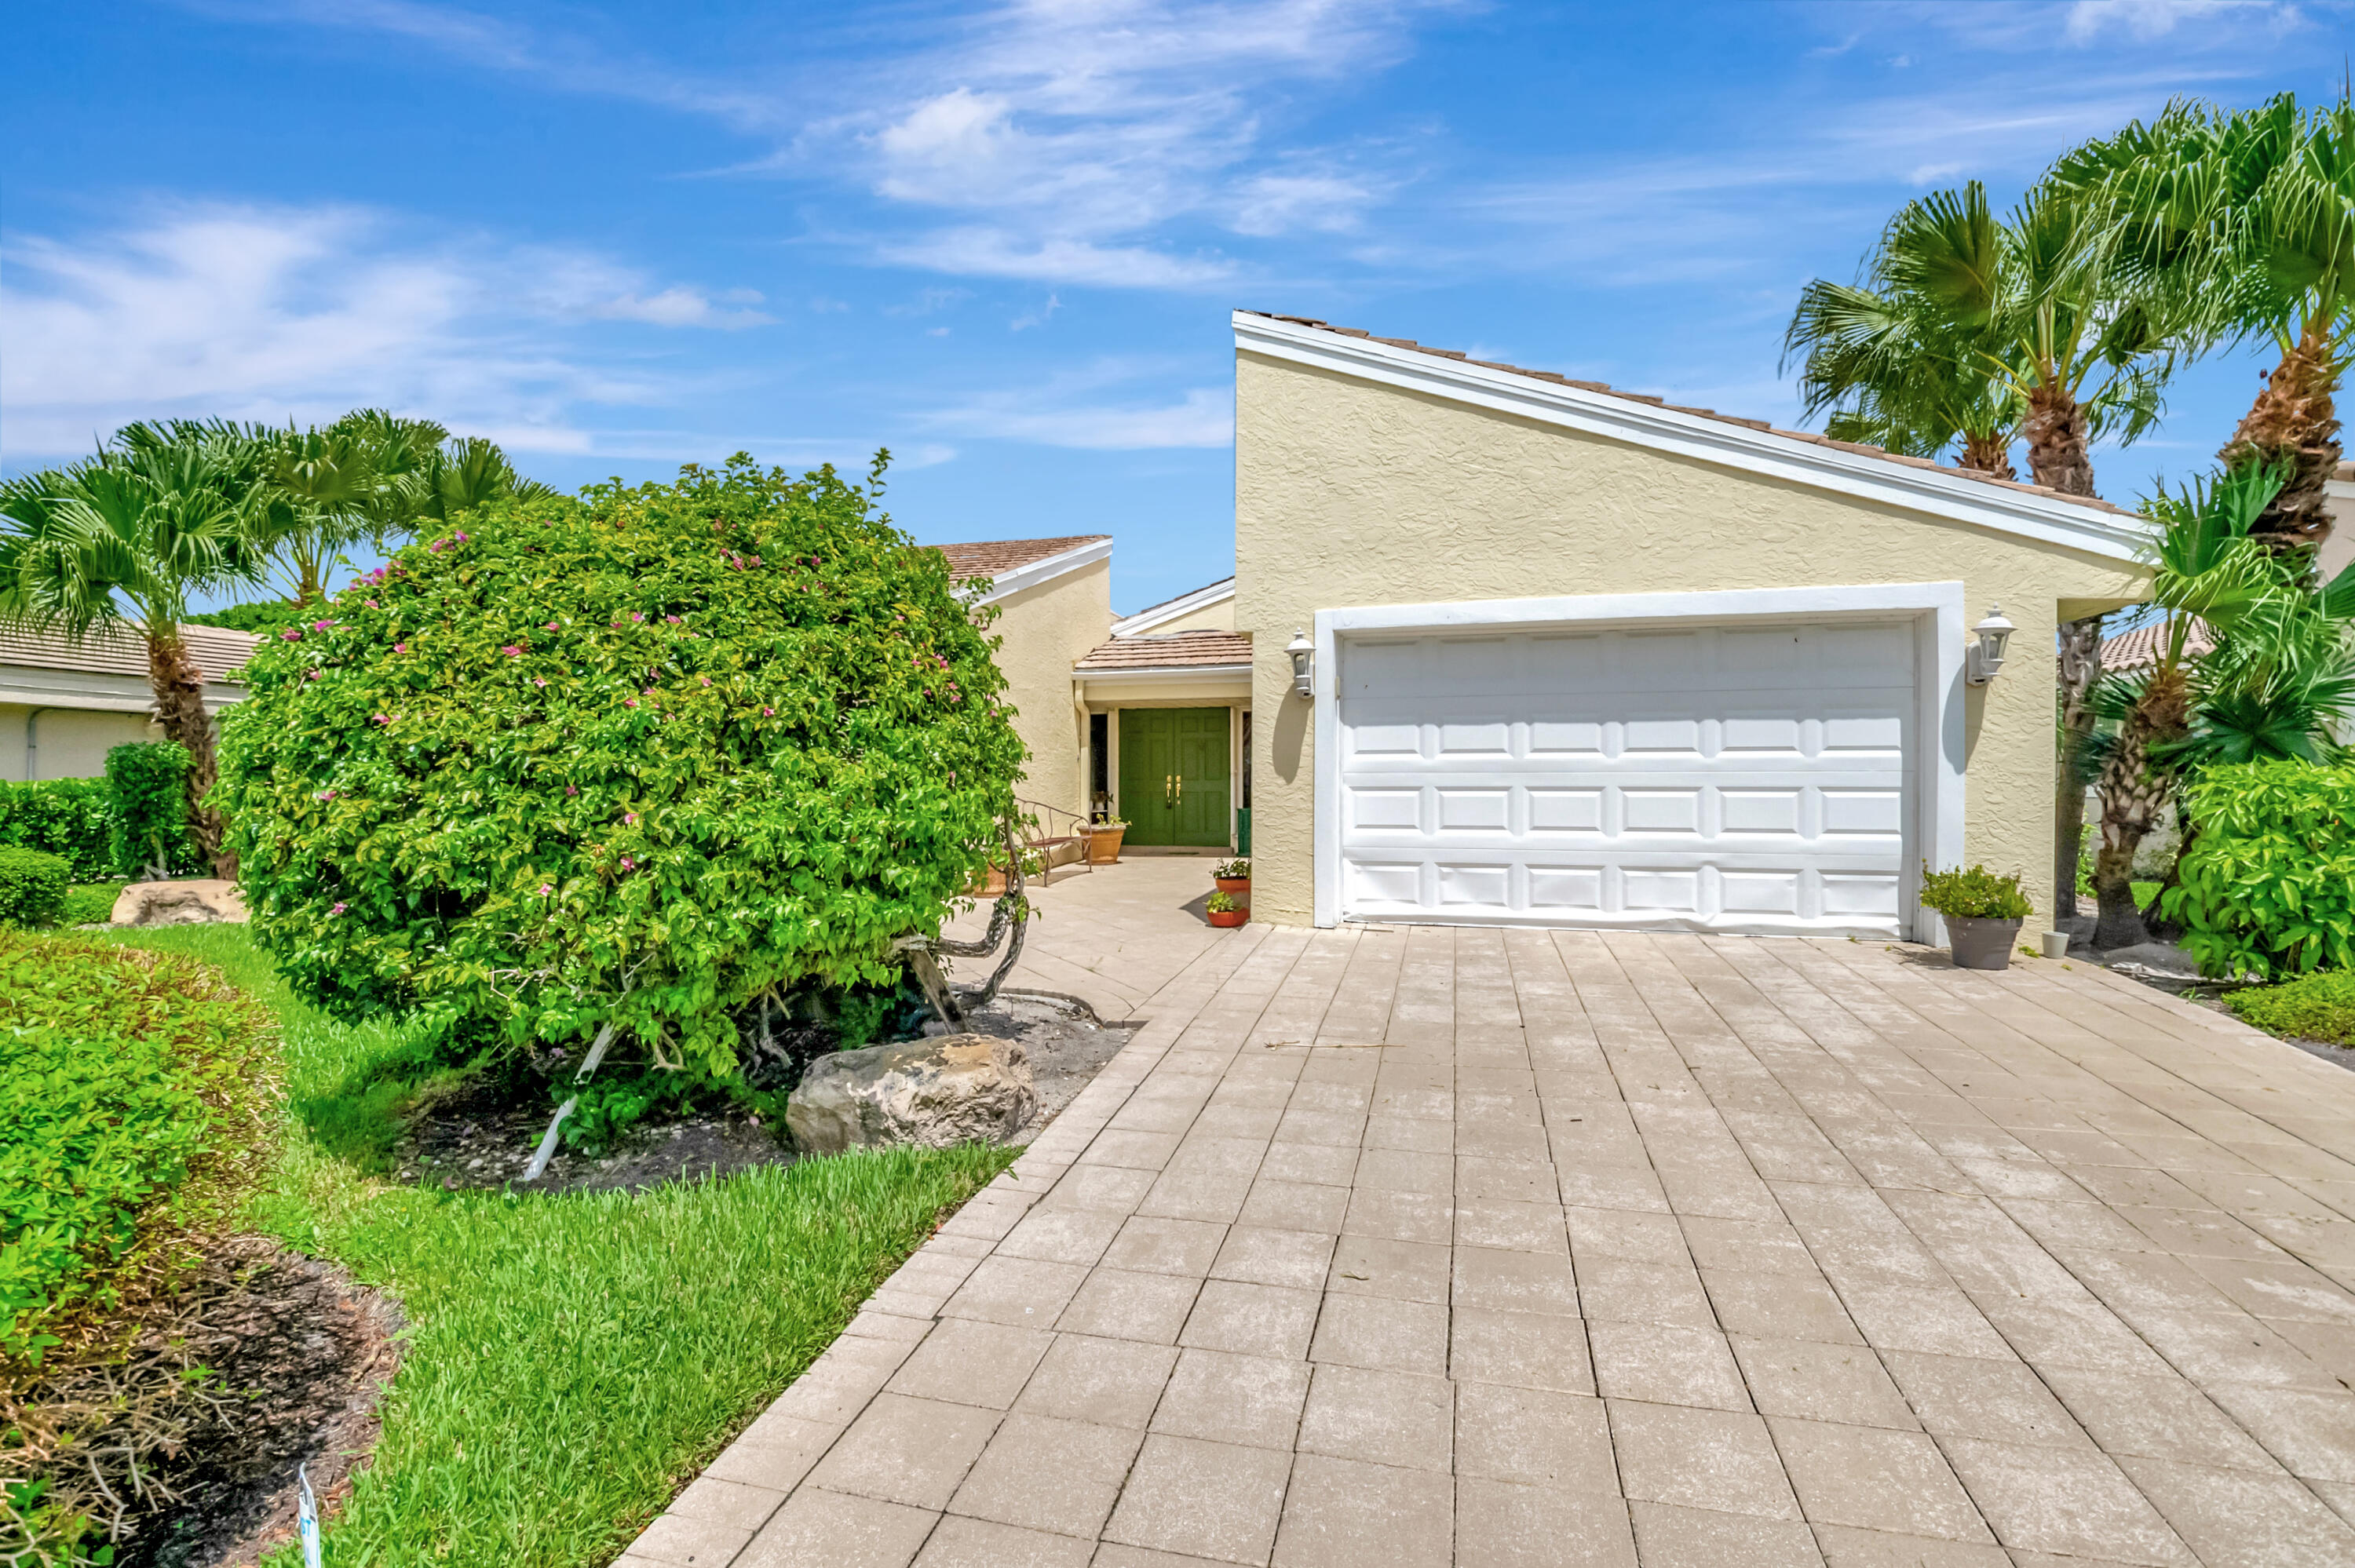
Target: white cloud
x,y
276,312
1288,202
2146,19
999,253
1039,317
1073,410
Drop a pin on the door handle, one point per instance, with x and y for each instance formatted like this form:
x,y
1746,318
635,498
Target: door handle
x,y
1182,789
1166,783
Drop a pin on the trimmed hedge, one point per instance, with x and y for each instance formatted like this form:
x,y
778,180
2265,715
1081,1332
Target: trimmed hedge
x,y
2312,1006
150,783
32,886
131,1112
2268,884
70,818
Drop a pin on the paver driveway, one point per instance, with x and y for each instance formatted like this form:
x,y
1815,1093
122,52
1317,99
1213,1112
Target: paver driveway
x,y
1413,1247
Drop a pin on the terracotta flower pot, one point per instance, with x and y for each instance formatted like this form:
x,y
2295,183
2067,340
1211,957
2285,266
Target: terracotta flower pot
x,y
1225,918
1234,887
1981,943
993,884
1103,845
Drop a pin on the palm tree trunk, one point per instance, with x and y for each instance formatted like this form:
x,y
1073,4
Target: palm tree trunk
x,y
179,688
2081,667
1989,451
2292,425
2133,792
2055,433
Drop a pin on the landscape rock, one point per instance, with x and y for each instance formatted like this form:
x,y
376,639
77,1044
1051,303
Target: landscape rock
x,y
2163,959
934,1093
197,901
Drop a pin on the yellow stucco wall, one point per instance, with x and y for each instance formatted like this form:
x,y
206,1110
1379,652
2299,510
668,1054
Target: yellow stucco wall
x,y
1219,617
1349,492
67,743
1044,630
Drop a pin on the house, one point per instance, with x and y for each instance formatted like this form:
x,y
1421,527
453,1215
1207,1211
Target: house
x,y
1054,602
64,704
1576,657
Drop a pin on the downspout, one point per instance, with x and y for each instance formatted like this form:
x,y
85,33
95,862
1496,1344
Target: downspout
x,y
31,744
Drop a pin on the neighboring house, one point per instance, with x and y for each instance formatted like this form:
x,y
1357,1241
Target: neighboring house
x,y
2139,649
63,705
1585,659
1054,599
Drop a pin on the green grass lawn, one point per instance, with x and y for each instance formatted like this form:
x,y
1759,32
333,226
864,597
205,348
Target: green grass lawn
x,y
571,1361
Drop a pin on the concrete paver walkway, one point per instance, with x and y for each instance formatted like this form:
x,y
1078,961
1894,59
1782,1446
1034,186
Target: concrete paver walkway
x,y
1418,1246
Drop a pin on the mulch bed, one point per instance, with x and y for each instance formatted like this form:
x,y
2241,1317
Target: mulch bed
x,y
202,1470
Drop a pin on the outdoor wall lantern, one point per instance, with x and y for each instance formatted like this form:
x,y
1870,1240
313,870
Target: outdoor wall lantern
x,y
1986,655
1304,663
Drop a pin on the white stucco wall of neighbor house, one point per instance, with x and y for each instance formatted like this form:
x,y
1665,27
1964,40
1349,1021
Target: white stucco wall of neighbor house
x,y
1044,630
1354,492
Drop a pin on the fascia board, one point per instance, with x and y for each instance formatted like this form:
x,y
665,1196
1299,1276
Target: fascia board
x,y
1162,674
1045,570
1183,605
1951,496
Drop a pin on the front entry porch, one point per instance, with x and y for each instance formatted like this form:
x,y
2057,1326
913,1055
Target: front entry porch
x,y
1176,776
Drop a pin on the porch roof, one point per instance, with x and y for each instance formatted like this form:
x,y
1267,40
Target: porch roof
x,y
1201,652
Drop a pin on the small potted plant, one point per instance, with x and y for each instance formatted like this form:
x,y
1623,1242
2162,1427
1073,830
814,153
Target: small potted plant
x,y
1103,842
1233,878
1224,911
1982,911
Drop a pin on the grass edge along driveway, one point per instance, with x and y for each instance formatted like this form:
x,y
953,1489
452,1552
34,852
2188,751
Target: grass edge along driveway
x,y
569,1362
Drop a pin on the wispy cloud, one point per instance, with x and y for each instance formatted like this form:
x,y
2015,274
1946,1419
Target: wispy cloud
x,y
1085,408
271,312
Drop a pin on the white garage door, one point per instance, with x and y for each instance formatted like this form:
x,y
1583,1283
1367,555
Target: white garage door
x,y
1750,778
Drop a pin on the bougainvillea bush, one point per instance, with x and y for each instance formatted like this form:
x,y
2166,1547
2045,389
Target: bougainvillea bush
x,y
639,756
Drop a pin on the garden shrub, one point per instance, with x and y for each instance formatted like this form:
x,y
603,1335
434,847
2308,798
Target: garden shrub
x,y
72,818
639,756
2311,1007
128,1075
92,904
32,887
1974,893
150,781
2268,886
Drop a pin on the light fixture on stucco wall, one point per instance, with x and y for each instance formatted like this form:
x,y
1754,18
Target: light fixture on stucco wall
x,y
1304,663
1986,657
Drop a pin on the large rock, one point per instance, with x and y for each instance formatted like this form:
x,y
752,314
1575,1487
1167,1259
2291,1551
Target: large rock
x,y
199,901
958,1088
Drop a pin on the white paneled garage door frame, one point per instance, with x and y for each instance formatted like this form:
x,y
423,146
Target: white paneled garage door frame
x,y
1758,760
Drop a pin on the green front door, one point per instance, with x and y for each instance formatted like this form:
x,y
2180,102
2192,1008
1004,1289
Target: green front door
x,y
1174,775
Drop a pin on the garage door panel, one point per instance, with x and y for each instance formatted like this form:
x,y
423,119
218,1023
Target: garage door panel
x,y
1712,779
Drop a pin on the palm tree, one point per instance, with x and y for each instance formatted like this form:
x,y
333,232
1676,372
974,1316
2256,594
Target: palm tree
x,y
2274,684
1886,368
1978,329
128,536
2255,213
469,472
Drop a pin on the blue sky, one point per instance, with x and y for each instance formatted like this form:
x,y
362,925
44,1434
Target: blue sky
x,y
1003,240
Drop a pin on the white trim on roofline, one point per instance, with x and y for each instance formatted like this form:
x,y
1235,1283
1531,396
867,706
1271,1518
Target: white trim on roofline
x,y
1950,495
1046,568
1185,604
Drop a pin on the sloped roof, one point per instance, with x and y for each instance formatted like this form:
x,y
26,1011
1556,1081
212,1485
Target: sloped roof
x,y
1173,651
2138,649
123,650
1809,436
995,557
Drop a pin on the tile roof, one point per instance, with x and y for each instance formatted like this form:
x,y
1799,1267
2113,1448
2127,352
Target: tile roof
x,y
1172,651
994,558
1811,437
2138,649
123,650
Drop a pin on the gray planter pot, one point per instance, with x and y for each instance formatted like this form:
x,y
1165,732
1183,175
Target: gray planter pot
x,y
1981,943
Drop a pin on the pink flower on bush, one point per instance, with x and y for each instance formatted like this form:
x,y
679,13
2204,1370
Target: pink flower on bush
x,y
340,909
438,546
768,713
291,634
311,675
512,651
572,789
379,718
629,864
637,615
326,794
629,701
630,818
320,625
550,627
545,890
372,604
